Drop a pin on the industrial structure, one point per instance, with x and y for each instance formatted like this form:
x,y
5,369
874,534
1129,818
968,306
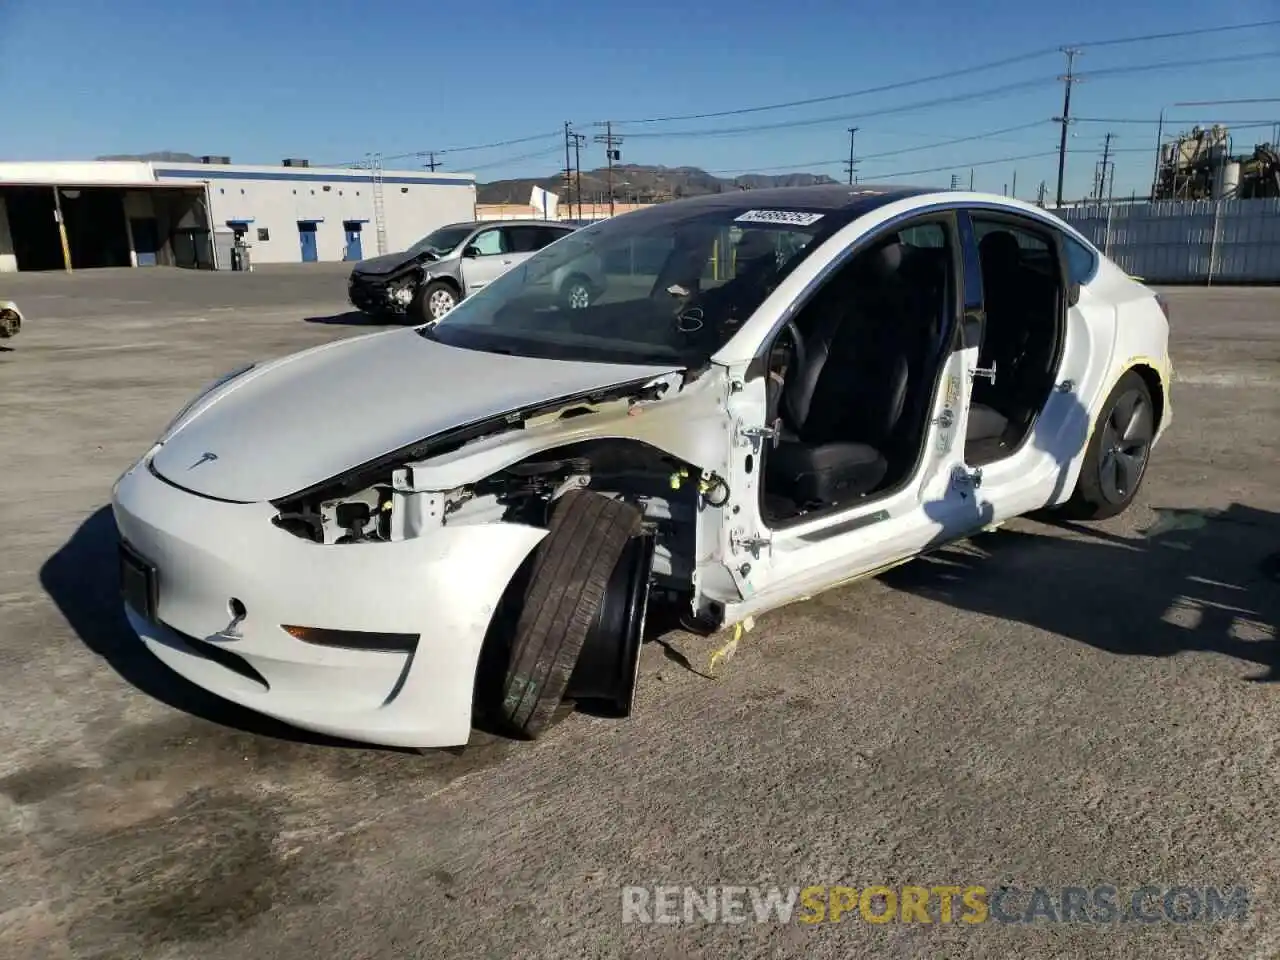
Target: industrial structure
x,y
1201,165
216,215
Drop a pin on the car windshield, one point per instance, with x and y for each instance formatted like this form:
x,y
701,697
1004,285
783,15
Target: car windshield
x,y
441,241
666,286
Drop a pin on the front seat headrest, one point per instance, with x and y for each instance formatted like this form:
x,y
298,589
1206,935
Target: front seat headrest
x,y
1000,250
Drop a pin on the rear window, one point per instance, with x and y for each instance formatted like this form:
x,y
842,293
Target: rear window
x,y
1081,262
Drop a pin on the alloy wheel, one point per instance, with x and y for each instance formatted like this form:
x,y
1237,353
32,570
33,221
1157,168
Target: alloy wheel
x,y
1126,444
440,303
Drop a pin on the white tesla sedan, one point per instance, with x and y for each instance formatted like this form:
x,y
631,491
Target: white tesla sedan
x,y
783,390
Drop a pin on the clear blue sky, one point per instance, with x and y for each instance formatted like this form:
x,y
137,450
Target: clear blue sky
x,y
330,80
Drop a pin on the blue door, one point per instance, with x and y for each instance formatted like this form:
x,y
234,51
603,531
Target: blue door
x,y
354,251
146,239
307,237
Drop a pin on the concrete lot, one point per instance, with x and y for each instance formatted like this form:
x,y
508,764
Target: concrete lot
x,y
1045,706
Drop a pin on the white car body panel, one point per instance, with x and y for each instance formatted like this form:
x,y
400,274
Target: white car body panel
x,y
325,410
208,552
305,419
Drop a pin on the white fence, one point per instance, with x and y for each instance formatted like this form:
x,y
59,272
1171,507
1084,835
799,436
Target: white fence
x,y
1187,241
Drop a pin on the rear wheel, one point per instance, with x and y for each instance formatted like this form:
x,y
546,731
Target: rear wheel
x,y
434,301
1119,449
569,585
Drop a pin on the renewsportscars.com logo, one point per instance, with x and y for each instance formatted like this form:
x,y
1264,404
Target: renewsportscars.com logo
x,y
941,904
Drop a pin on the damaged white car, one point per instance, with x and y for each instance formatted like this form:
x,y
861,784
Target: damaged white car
x,y
781,391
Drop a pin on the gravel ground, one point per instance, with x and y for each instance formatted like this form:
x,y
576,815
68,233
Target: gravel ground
x,y
1044,706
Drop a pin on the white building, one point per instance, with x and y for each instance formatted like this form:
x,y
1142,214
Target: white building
x,y
77,215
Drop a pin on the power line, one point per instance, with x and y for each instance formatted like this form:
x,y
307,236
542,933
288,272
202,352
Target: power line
x,y
949,74
1157,122
1180,64
1197,32
414,154
985,93
488,165
971,96
948,143
1211,103
829,98
978,163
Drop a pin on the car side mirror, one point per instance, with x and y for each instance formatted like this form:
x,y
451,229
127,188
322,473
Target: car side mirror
x,y
471,250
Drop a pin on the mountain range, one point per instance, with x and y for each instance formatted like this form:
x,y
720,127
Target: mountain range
x,y
641,183
631,182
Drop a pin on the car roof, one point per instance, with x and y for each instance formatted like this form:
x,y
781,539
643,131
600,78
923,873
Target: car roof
x,y
825,197
526,222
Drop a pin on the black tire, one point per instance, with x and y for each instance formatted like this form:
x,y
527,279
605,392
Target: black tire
x,y
577,292
1119,450
571,571
421,310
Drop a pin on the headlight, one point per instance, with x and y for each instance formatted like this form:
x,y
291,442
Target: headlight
x,y
208,389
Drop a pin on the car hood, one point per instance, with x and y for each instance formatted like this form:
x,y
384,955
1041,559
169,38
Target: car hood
x,y
309,417
387,263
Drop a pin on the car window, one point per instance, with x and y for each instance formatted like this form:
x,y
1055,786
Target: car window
x,y
924,235
488,242
1028,241
548,235
670,284
1081,262
525,239
1034,243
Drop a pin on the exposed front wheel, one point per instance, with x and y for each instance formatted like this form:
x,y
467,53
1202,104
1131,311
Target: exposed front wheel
x,y
435,300
583,582
1115,462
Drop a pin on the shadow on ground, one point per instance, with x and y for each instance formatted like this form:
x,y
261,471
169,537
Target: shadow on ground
x,y
1196,580
82,578
351,318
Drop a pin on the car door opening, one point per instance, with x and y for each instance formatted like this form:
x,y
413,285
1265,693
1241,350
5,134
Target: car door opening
x,y
1025,302
854,375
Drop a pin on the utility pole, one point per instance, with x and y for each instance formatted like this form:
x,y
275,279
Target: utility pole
x,y
568,167
971,179
578,140
1014,192
1100,181
1155,172
1040,194
431,163
1069,80
852,163
612,153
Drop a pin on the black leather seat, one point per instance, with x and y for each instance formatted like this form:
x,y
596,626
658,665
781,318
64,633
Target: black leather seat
x,y
1003,335
841,406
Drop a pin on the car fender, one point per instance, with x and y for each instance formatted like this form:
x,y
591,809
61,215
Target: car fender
x,y
448,270
689,425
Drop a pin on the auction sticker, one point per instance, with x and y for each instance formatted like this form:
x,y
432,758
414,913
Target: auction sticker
x,y
792,218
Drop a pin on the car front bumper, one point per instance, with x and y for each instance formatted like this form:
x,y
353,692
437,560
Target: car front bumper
x,y
213,559
374,295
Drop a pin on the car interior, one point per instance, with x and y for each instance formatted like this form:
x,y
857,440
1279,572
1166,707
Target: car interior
x,y
1025,303
854,374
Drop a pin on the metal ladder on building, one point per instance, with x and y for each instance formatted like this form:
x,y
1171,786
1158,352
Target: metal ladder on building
x,y
379,209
